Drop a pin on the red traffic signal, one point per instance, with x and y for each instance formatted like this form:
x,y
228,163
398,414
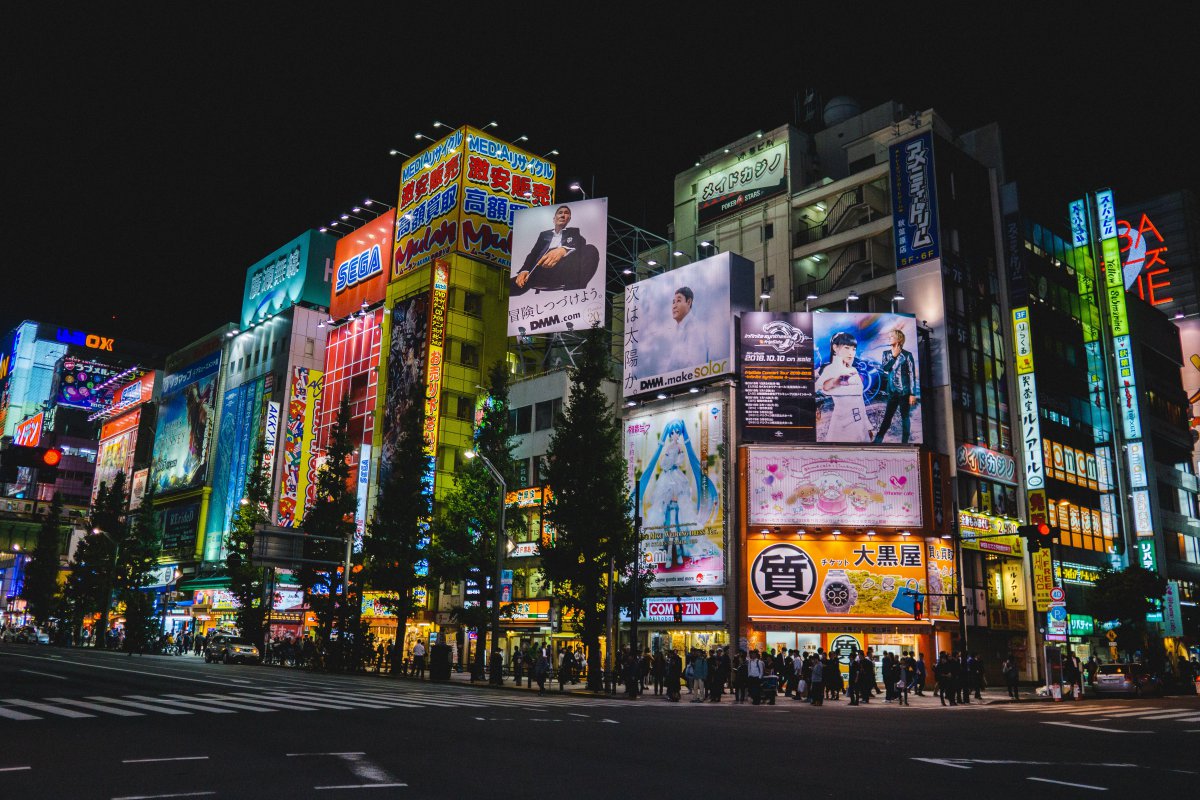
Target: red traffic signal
x,y
51,457
1037,534
918,609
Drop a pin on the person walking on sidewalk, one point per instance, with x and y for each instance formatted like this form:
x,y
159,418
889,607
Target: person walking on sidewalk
x,y
699,676
922,675
1011,675
418,654
754,676
907,673
975,670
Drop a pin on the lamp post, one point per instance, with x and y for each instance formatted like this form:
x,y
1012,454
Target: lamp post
x,y
500,538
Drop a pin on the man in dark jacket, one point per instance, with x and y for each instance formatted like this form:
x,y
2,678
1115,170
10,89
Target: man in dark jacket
x,y
674,673
901,370
560,259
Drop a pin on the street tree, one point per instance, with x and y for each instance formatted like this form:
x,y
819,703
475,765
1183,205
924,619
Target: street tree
x,y
89,584
41,590
1127,597
396,547
331,517
136,562
468,518
246,581
589,506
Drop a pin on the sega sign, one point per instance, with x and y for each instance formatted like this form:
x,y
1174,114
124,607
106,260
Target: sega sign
x,y
358,269
364,260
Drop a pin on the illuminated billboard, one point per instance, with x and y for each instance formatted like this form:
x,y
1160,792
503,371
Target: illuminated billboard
x,y
461,195
118,444
743,180
29,432
132,394
1143,250
557,276
298,485
406,359
834,579
678,324
298,272
829,377
834,487
183,434
81,384
914,201
363,263
240,428
677,468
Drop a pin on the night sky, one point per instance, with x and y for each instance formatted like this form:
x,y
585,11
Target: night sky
x,y
151,157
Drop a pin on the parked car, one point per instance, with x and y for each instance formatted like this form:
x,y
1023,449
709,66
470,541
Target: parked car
x,y
26,634
1135,680
231,649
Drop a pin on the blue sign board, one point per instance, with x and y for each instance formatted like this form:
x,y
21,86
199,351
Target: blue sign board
x,y
300,271
914,201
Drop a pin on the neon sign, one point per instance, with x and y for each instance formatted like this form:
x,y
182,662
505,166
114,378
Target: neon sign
x,y
1141,254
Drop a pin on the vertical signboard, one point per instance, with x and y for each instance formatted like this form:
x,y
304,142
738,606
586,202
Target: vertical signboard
x,y
435,363
297,489
185,414
240,428
1027,401
677,470
29,432
1043,578
1171,610
406,357
914,201
114,455
557,277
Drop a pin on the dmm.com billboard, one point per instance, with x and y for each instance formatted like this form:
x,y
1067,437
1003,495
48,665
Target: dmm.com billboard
x,y
678,324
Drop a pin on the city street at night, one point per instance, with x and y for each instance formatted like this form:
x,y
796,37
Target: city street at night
x,y
174,727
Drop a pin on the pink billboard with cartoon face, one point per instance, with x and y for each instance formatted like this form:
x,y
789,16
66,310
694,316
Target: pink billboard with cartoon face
x,y
826,487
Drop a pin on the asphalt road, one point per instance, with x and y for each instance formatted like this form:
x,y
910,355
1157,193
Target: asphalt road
x,y
84,724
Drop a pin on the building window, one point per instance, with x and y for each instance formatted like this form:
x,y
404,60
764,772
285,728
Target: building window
x,y
520,420
768,231
468,354
545,413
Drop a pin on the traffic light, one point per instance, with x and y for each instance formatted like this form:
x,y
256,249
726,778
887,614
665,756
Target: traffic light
x,y
677,610
43,459
918,608
1037,535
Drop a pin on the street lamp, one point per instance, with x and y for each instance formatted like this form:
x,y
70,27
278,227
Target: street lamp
x,y
576,187
500,538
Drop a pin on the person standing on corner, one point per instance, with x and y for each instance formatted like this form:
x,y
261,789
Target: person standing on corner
x,y
418,654
1011,676
754,676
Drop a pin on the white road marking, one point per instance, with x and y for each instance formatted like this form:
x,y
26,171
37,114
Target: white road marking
x,y
45,674
221,703
46,708
120,712
121,669
299,755
1074,785
157,796
8,713
139,706
189,706
155,760
363,786
14,769
1092,727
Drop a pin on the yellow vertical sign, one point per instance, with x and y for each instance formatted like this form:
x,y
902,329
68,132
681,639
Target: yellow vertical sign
x,y
1043,579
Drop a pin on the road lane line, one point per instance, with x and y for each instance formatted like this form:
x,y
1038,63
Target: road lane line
x,y
45,674
298,755
308,701
14,769
1074,785
46,708
158,796
153,760
140,706
1092,727
276,702
363,786
121,669
120,712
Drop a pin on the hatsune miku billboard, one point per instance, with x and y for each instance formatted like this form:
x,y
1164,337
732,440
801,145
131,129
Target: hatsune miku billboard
x,y
676,468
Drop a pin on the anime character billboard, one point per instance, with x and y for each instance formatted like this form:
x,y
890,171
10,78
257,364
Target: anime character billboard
x,y
676,477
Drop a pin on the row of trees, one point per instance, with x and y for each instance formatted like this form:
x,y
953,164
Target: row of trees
x,y
112,566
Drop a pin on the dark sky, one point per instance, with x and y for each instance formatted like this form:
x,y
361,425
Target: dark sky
x,y
151,157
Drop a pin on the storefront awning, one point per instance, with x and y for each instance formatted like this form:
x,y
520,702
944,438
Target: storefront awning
x,y
203,583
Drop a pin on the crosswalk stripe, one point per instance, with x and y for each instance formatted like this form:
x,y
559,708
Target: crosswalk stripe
x,y
389,701
139,706
49,709
309,701
8,713
257,704
1166,714
190,706
120,712
221,702
333,697
283,704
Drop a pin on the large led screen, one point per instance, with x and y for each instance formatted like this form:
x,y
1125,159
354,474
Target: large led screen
x,y
830,377
676,475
